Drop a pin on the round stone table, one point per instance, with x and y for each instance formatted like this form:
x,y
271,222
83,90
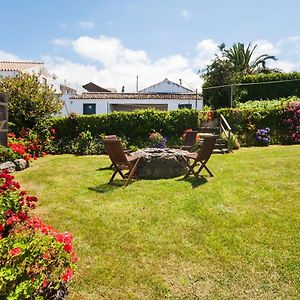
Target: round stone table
x,y
159,163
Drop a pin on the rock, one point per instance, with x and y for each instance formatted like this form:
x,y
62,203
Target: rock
x,y
8,165
159,163
21,164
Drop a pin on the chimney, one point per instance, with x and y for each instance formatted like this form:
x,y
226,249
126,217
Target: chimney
x,y
123,89
180,81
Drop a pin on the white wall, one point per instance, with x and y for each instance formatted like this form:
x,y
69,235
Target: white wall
x,y
166,86
103,106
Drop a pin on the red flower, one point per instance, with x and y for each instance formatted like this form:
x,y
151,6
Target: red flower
x,y
52,130
44,284
11,135
15,251
12,220
22,216
67,275
68,247
46,255
1,228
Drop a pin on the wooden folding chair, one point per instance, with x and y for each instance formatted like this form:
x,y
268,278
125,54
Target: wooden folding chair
x,y
189,139
120,160
201,157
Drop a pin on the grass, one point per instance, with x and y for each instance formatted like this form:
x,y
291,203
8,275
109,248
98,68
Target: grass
x,y
234,236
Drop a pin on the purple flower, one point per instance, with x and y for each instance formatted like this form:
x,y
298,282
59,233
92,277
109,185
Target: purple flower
x,y
265,140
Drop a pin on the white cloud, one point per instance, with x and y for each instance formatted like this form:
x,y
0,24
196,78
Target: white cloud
x,y
86,24
265,47
108,51
206,50
120,65
185,13
6,56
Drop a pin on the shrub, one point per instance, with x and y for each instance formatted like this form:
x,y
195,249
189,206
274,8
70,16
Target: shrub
x,y
7,154
30,144
35,259
291,123
29,100
271,90
134,127
32,257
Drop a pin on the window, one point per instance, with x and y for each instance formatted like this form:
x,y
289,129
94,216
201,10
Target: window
x,y
184,106
89,108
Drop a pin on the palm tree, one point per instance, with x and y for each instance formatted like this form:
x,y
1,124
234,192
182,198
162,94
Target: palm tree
x,y
242,60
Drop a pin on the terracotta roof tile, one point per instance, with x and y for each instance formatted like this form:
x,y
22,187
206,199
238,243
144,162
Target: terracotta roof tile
x,y
121,96
18,66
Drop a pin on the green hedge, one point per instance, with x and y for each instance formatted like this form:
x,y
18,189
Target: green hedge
x,y
245,123
271,90
133,126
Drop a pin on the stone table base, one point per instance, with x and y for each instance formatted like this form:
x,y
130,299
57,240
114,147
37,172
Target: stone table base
x,y
159,163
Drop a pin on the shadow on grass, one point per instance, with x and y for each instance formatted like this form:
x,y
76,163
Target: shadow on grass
x,y
105,168
194,181
106,187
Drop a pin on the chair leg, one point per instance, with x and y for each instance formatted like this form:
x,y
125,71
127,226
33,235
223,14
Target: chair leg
x,y
190,170
203,166
113,176
117,170
132,171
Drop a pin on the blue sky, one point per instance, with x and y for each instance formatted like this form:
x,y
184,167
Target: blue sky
x,y
110,42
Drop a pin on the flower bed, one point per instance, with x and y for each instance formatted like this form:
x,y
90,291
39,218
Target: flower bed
x,y
35,258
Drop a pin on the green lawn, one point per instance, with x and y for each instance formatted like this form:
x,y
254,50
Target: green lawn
x,y
234,236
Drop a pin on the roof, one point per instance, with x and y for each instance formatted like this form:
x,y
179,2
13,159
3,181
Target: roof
x,y
121,96
167,81
94,88
18,66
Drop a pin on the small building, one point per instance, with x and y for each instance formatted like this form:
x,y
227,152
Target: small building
x,y
13,68
102,103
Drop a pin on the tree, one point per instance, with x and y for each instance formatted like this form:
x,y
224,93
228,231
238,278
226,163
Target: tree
x,y
228,68
30,101
242,59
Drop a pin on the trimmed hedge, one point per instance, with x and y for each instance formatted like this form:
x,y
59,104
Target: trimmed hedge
x,y
133,126
271,90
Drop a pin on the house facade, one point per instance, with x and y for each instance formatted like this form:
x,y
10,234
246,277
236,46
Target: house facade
x,y
13,68
102,103
165,95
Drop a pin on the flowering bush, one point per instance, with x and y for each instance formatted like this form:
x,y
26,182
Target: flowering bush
x,y
291,123
263,136
30,144
157,140
34,257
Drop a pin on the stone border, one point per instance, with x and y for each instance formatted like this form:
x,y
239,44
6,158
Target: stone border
x,y
17,165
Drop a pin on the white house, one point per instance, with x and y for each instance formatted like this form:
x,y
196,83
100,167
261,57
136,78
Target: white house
x,y
165,95
167,86
13,68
